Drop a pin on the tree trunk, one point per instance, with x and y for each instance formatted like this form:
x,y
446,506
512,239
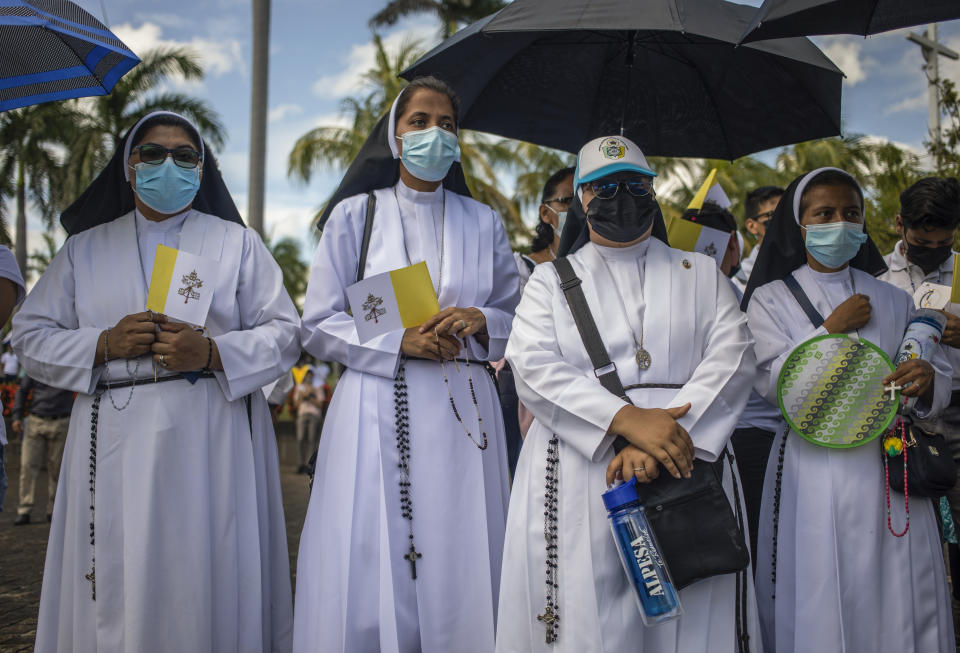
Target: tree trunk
x,y
258,113
21,238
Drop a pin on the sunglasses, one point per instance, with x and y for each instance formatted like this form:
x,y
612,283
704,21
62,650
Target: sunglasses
x,y
763,218
154,154
606,190
565,201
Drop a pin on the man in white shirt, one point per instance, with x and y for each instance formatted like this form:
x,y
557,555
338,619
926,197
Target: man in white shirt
x,y
11,365
927,224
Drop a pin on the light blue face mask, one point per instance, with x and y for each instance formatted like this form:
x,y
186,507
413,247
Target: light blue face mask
x,y
166,188
428,153
834,243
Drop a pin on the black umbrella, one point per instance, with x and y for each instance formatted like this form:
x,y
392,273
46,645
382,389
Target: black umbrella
x,y
54,50
779,18
558,73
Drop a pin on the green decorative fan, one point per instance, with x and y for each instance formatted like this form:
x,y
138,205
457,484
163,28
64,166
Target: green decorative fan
x,y
831,392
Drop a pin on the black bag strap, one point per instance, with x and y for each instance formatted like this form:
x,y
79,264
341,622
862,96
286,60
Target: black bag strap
x,y
367,230
530,264
604,369
812,313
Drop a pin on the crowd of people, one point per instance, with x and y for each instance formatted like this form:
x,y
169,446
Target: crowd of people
x,y
459,467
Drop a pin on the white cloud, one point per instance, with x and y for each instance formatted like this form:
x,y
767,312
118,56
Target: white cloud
x,y
217,56
911,103
362,57
847,53
282,111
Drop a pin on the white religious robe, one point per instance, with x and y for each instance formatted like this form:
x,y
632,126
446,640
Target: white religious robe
x,y
354,586
191,551
696,336
843,581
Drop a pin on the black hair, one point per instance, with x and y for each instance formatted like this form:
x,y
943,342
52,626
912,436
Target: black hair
x,y
550,188
430,83
166,120
830,178
544,237
931,203
758,196
713,216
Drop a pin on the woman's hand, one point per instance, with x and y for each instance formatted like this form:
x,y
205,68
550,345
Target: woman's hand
x,y
916,376
632,462
951,334
852,314
656,432
180,348
132,336
459,322
431,346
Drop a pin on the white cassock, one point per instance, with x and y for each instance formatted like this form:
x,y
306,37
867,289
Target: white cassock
x,y
191,550
843,581
696,336
355,592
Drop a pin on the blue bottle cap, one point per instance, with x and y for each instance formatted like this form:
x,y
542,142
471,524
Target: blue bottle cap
x,y
619,496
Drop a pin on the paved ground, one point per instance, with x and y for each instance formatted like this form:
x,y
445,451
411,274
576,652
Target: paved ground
x,y
22,548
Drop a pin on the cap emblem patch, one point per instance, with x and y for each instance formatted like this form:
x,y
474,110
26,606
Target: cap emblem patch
x,y
613,148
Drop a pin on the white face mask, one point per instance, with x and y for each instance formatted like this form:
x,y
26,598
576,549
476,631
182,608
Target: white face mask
x,y
561,220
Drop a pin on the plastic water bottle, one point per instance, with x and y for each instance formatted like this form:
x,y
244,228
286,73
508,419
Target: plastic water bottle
x,y
920,342
654,590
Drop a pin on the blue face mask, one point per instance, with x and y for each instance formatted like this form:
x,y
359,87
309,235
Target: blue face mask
x,y
429,153
834,243
166,188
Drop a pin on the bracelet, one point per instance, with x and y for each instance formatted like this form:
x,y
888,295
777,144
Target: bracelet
x,y
106,350
206,368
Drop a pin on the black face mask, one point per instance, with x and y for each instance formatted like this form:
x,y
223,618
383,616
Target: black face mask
x,y
622,218
928,258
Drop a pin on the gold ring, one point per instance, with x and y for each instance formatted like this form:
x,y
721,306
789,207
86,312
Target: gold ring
x,y
463,324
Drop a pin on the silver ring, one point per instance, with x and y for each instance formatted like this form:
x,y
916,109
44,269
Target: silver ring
x,y
641,468
463,325
162,362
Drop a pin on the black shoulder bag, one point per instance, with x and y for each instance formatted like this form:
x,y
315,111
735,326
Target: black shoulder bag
x,y
931,470
692,518
361,265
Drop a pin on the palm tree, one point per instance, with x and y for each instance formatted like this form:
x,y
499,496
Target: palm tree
x,y
107,117
40,260
451,13
33,139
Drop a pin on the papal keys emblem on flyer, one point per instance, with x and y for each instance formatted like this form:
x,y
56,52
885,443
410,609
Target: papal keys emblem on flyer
x,y
190,283
372,308
613,148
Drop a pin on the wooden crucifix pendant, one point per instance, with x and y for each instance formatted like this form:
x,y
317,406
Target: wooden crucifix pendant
x,y
412,556
549,620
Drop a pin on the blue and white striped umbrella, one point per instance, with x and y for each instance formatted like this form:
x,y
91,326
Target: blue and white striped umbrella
x,y
54,50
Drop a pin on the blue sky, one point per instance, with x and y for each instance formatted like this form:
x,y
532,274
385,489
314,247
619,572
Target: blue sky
x,y
319,49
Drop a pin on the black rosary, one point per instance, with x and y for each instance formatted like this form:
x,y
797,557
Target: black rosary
x,y
776,512
94,417
402,425
551,614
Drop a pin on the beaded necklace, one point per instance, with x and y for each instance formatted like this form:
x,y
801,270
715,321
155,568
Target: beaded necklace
x,y
551,533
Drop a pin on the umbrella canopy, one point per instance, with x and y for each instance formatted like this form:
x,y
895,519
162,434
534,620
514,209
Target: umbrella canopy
x,y
558,73
780,18
54,50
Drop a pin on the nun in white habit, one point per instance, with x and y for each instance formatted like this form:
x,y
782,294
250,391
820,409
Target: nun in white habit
x,y
679,310
168,529
830,574
402,543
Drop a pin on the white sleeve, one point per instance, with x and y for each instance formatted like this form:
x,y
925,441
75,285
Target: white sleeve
x,y
10,270
328,331
268,344
566,400
46,335
499,307
719,387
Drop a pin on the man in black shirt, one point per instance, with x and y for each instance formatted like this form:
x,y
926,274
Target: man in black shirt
x,y
44,434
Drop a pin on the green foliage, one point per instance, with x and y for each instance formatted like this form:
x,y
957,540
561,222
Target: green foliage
x,y
296,272
946,150
451,13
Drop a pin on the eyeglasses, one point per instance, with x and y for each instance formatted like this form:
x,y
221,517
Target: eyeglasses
x,y
606,190
565,201
763,218
154,154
